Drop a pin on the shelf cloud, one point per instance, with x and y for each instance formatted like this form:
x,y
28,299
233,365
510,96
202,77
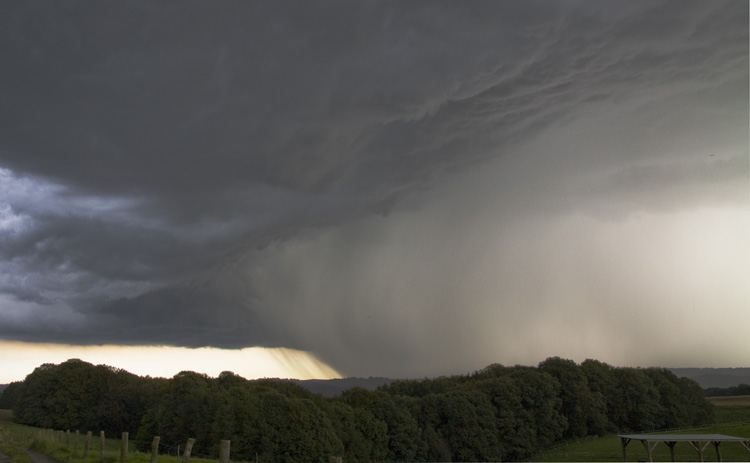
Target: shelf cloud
x,y
398,188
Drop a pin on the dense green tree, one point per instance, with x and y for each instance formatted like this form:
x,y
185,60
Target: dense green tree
x,y
498,413
404,434
585,411
464,421
238,416
286,388
364,437
64,396
540,405
516,438
602,382
420,388
79,395
740,389
296,430
434,447
673,412
31,408
11,395
639,408
700,411
186,410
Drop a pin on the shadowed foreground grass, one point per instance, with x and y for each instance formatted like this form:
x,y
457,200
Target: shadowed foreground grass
x,y
15,437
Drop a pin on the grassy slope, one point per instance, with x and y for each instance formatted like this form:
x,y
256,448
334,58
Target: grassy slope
x,y
14,437
732,418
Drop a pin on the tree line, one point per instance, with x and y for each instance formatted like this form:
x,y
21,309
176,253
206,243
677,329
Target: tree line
x,y
740,389
495,414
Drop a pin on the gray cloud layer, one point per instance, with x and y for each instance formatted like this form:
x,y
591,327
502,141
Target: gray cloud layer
x,y
339,177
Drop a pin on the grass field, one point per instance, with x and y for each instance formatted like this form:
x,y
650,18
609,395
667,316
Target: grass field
x,y
731,401
15,437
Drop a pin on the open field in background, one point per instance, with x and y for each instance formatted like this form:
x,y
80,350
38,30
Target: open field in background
x,y
734,400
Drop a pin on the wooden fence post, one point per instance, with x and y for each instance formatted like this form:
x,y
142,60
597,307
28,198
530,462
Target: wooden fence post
x,y
124,448
154,449
101,446
188,449
86,445
67,438
224,451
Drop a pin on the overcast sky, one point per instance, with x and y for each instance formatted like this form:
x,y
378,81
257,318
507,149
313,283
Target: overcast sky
x,y
397,188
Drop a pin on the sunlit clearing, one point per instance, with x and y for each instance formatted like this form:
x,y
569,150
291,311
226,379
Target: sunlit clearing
x,y
18,359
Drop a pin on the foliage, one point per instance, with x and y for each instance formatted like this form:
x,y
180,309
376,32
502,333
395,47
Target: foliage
x,y
10,395
498,413
78,395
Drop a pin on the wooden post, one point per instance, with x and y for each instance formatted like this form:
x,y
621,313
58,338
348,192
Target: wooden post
x,y
86,445
124,448
101,446
67,438
671,449
154,449
224,451
335,460
188,449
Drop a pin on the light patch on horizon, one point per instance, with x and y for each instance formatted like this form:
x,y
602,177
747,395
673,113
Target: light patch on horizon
x,y
19,359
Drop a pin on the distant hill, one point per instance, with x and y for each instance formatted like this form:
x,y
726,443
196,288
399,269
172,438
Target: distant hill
x,y
715,377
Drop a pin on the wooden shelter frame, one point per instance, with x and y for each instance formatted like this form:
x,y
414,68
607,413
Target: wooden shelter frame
x,y
698,441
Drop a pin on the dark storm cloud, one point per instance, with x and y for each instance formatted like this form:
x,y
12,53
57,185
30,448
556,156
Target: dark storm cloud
x,y
163,161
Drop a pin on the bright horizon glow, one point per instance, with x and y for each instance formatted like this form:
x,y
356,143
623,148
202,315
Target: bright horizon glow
x,y
18,359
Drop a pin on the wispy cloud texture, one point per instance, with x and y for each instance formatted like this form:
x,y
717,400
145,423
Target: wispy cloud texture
x,y
400,188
